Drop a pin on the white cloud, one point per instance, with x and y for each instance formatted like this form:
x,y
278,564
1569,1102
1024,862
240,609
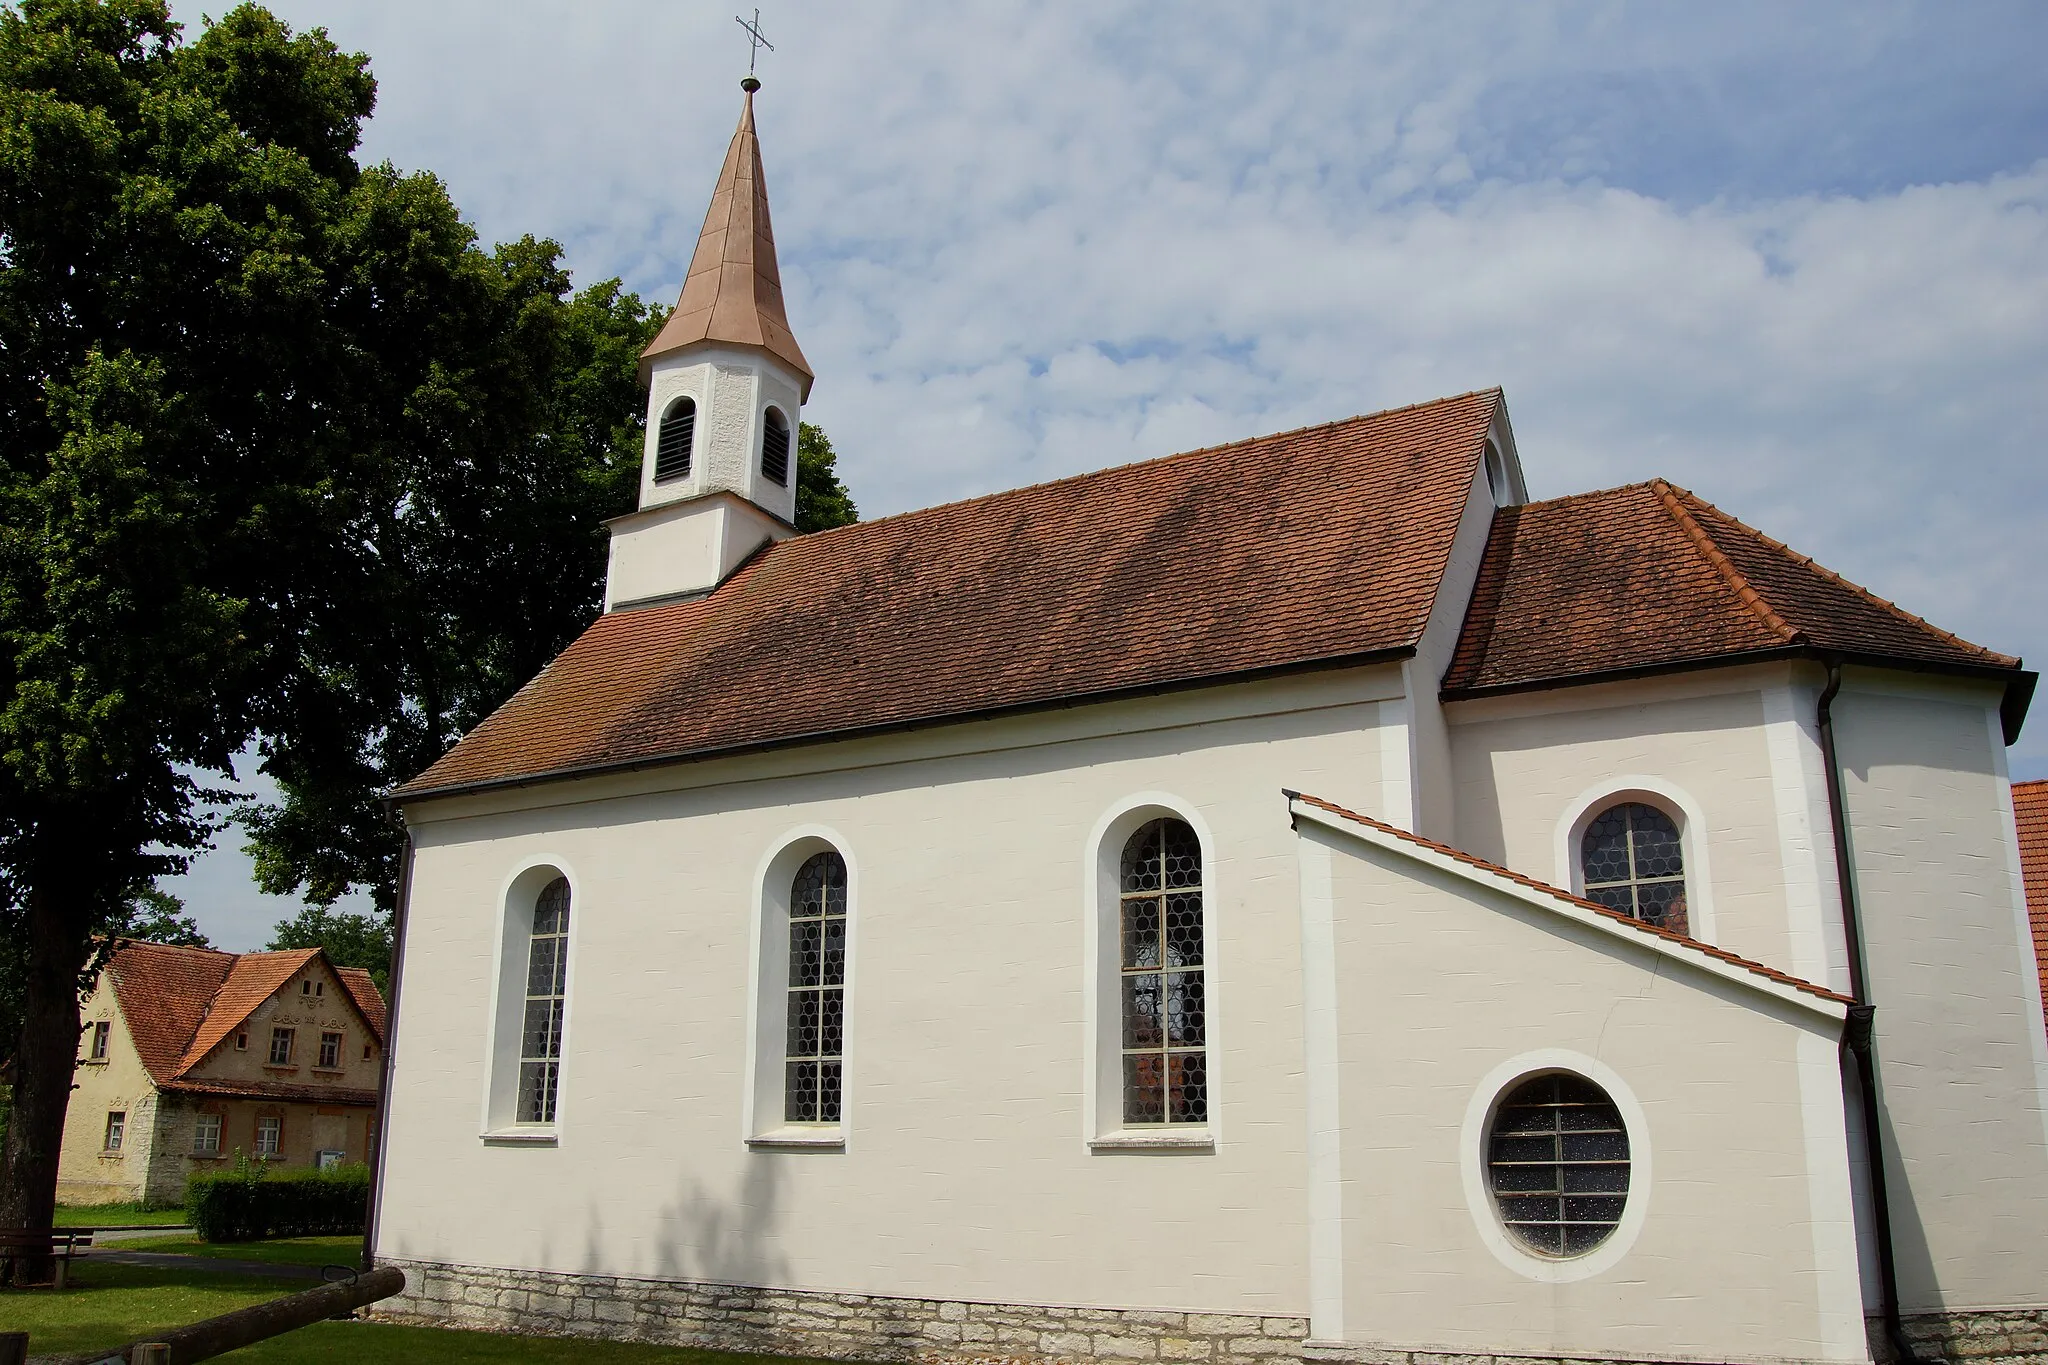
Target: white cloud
x,y
1021,241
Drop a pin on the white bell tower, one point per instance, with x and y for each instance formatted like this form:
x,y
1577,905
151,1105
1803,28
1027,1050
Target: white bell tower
x,y
726,384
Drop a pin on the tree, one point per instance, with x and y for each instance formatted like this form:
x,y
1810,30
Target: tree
x,y
822,502
156,916
351,939
246,388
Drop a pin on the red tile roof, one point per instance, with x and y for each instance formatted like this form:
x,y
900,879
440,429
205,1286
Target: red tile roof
x,y
2030,805
179,1003
1651,576
1495,869
1318,545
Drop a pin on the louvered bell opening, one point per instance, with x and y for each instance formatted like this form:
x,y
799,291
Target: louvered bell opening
x,y
672,449
775,449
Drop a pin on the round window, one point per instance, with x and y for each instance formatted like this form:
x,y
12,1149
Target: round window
x,y
1557,1162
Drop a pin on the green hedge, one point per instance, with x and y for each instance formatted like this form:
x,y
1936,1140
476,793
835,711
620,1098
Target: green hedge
x,y
254,1199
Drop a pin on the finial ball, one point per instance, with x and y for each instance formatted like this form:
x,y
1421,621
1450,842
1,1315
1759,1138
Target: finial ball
x,y
749,84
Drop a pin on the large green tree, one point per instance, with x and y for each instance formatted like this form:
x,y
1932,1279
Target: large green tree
x,y
262,412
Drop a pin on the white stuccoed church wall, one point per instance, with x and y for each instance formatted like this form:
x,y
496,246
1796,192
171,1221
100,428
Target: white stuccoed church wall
x,y
966,1172
1963,1058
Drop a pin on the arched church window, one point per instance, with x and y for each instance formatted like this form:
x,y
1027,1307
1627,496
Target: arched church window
x,y
1557,1161
775,448
1165,1062
673,442
547,979
815,1041
1632,862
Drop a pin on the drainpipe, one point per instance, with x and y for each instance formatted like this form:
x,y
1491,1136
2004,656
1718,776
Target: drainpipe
x,y
1857,1046
390,1042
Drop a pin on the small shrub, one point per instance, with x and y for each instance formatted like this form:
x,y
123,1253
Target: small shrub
x,y
253,1199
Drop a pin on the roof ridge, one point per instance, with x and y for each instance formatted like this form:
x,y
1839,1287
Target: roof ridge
x,y
1769,973
813,536
1883,604
1714,555
2033,782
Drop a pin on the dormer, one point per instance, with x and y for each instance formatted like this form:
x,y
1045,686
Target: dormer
x,y
726,383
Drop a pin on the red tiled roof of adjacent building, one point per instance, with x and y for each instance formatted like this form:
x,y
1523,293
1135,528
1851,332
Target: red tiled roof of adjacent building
x,y
180,1003
1312,547
1652,576
2030,807
1545,888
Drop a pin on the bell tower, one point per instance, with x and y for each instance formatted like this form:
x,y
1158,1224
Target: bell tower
x,y
726,383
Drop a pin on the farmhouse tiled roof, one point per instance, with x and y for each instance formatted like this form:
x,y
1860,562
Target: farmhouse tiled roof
x,y
1315,546
1545,888
733,291
1651,576
180,1003
2030,805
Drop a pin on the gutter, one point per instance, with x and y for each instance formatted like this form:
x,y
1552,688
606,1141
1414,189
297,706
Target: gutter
x,y
1858,1041
390,1044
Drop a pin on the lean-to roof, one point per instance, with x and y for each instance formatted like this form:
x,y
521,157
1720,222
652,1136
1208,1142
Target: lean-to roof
x,y
2030,807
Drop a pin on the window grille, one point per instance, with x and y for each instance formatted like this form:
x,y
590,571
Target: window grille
x,y
206,1134
117,1124
672,445
281,1046
547,978
1632,862
100,1030
330,1049
1166,1074
1557,1161
775,448
814,1053
269,1136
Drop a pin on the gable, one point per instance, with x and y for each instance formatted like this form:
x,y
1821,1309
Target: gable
x,y
1312,548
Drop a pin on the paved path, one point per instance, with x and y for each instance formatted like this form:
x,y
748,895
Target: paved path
x,y
217,1264
109,1236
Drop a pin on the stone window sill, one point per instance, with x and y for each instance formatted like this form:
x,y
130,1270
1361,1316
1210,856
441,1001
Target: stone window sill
x,y
519,1137
328,1070
92,1061
209,1156
1140,1140
110,1154
799,1140
281,1068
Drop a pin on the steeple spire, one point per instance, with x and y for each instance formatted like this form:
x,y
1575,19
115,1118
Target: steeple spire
x,y
733,293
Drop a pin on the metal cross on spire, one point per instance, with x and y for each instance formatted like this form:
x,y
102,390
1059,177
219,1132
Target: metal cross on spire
x,y
755,39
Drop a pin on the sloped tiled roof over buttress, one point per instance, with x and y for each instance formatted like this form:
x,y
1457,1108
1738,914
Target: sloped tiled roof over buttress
x,y
1321,545
1649,577
2030,808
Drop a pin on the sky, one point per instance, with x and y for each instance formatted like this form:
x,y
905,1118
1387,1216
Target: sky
x,y
1794,258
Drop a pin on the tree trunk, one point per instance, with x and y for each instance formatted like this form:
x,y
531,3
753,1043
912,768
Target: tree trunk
x,y
44,1061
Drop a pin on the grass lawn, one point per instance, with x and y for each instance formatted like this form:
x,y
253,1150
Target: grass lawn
x,y
346,1251
108,1215
109,1305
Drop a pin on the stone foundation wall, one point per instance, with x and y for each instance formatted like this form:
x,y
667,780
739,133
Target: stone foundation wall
x,y
2015,1336
946,1332
838,1326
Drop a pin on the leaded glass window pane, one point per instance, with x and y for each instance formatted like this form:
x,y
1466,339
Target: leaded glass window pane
x,y
1557,1160
547,981
815,1035
1632,862
1163,1009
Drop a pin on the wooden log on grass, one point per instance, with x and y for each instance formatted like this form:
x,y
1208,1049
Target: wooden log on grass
x,y
244,1326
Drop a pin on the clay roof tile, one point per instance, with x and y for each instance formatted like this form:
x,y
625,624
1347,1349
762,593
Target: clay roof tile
x,y
2030,808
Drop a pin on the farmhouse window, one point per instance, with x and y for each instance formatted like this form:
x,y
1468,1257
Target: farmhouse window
x,y
269,1136
330,1049
281,1046
117,1124
206,1135
98,1052
1165,1062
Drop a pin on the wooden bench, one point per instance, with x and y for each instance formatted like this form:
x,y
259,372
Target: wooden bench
x,y
57,1244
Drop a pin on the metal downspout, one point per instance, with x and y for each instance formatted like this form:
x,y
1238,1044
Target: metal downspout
x,y
1857,1035
390,1042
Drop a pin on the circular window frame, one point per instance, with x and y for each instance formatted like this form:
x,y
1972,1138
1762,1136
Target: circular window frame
x,y
1479,1200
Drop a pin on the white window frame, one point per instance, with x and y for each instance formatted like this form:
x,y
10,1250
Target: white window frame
x,y
1102,985
96,1050
1675,802
201,1124
499,1123
275,1151
762,1124
339,1039
116,1131
291,1044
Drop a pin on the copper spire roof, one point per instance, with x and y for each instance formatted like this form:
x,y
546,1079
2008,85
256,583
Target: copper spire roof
x,y
733,292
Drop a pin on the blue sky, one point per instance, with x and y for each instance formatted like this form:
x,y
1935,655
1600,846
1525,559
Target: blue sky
x,y
1792,257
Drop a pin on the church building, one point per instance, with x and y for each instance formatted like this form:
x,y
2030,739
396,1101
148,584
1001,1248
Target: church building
x,y
1294,900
